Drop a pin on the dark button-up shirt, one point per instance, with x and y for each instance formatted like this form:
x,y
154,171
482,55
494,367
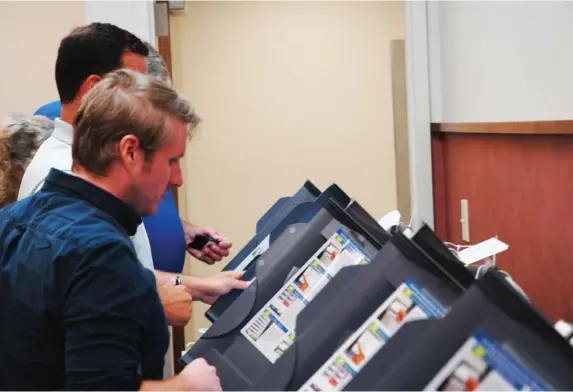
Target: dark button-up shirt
x,y
77,309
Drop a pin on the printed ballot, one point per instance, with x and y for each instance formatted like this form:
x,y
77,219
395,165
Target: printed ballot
x,y
482,251
408,302
272,329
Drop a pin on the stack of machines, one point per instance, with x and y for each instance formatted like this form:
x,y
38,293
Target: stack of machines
x,y
336,302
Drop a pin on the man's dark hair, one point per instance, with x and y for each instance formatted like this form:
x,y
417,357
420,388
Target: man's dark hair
x,y
95,49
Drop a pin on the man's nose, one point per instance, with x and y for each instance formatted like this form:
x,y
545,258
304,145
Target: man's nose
x,y
176,176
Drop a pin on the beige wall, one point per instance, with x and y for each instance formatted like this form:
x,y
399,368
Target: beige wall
x,y
31,33
401,137
288,91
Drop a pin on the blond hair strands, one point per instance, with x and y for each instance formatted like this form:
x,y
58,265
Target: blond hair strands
x,y
124,103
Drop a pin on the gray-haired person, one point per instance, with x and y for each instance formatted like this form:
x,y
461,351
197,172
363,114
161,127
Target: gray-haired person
x,y
156,65
20,137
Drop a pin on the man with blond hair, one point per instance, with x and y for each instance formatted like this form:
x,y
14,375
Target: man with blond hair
x,y
77,309
84,57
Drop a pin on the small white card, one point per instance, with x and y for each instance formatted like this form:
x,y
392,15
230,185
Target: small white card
x,y
390,219
482,251
408,233
564,328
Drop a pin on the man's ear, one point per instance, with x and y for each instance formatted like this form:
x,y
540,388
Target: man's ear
x,y
88,84
129,150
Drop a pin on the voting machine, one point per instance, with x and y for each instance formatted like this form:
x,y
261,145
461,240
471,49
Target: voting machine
x,y
300,207
491,339
259,325
362,308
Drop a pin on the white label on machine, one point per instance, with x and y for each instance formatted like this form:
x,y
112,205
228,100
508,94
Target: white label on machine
x,y
259,250
390,219
409,302
272,329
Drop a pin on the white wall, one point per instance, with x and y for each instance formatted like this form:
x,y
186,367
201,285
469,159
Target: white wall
x,y
419,116
31,33
496,61
135,16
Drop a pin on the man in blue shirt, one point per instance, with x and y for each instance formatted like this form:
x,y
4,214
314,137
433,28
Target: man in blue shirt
x,y
77,309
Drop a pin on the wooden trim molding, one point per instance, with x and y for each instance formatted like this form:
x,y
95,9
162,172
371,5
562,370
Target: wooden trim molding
x,y
439,188
164,50
561,127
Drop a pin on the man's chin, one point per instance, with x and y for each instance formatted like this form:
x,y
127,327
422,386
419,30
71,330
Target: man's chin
x,y
153,211
148,211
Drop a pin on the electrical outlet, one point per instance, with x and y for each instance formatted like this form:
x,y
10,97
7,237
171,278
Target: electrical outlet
x,y
465,221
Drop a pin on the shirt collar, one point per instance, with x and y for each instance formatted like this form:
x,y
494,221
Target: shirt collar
x,y
58,181
63,131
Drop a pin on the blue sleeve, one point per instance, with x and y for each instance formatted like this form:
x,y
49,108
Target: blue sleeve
x,y
105,316
166,236
51,110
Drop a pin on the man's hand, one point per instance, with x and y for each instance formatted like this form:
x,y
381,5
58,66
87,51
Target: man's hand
x,y
208,289
199,376
177,303
212,252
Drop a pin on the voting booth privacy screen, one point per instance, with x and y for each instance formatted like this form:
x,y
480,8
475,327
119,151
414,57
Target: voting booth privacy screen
x,y
299,208
336,302
490,339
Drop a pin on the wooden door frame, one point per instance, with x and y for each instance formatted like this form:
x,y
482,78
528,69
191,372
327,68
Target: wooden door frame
x,y
164,49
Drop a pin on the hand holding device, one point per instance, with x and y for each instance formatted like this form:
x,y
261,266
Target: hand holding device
x,y
201,241
206,244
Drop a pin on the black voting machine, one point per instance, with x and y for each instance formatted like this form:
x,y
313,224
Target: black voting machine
x,y
491,338
299,208
398,313
350,299
225,344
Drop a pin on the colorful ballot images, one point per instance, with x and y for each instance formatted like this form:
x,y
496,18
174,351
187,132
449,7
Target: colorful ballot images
x,y
272,329
408,302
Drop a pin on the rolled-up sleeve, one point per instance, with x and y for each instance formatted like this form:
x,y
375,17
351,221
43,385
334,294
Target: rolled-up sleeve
x,y
105,318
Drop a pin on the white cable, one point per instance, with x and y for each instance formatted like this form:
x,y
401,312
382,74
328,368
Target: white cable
x,y
412,217
479,269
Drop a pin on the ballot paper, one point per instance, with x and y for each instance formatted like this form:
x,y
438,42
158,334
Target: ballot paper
x,y
481,251
408,303
272,329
